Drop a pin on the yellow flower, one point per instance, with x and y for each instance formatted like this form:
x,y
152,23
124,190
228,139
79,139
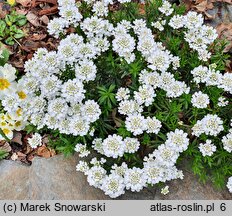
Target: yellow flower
x,y
8,132
11,2
22,95
4,84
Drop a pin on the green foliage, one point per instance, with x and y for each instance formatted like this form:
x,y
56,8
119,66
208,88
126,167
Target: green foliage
x,y
9,27
5,56
3,154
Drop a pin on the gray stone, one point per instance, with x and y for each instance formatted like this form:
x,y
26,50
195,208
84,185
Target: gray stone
x,y
187,189
14,180
56,178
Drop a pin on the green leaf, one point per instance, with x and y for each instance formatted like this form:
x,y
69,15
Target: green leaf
x,y
2,26
9,41
5,54
21,21
19,34
3,154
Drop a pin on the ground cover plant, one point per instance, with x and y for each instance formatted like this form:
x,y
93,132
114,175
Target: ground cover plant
x,y
136,90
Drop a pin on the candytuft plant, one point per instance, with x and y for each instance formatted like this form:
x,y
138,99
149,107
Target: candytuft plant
x,y
142,88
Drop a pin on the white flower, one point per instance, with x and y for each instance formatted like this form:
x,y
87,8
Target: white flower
x,y
177,22
132,145
229,184
153,125
82,166
100,9
135,179
50,87
97,145
113,185
95,176
127,107
222,102
165,155
226,82
210,125
113,146
200,100
227,142
166,8
165,190
86,70
159,60
200,74
71,14
82,150
7,80
136,124
79,126
207,149
91,111
122,94
119,170
193,20
58,108
177,140
73,91
158,25
56,26
145,95
154,172
150,78
35,140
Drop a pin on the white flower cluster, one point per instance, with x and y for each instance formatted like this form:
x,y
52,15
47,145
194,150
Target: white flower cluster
x,y
35,140
198,35
70,15
210,125
229,184
158,166
115,146
211,77
207,149
200,100
48,100
227,142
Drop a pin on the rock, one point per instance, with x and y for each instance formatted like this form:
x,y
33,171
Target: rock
x,y
14,180
191,189
57,178
187,189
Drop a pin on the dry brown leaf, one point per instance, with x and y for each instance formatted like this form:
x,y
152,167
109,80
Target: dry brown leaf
x,y
49,11
3,12
17,138
142,9
44,19
5,146
225,31
43,151
33,19
24,3
38,37
55,2
117,121
204,5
